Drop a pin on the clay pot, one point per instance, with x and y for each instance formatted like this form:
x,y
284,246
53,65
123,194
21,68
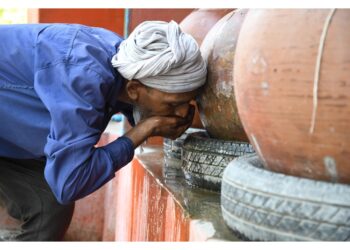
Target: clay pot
x,y
200,21
217,103
197,24
275,91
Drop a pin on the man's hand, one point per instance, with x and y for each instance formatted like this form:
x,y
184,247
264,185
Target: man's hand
x,y
171,126
167,126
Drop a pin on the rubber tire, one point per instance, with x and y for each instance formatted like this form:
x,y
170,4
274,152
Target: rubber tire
x,y
173,153
173,148
269,206
204,159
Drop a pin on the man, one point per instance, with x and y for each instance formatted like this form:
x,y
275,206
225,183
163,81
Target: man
x,y
59,86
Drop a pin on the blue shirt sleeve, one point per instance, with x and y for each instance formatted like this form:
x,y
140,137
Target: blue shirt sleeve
x,y
75,98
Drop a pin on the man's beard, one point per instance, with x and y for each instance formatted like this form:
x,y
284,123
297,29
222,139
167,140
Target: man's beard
x,y
138,114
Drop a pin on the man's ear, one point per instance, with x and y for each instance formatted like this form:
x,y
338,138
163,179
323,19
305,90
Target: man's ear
x,y
133,88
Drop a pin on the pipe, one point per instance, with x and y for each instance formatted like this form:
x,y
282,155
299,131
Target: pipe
x,y
126,22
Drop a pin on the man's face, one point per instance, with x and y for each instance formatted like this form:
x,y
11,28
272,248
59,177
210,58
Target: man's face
x,y
157,103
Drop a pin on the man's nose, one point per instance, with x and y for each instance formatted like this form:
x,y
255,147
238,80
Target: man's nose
x,y
182,110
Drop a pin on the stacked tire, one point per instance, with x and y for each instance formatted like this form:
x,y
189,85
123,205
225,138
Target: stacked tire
x,y
173,154
265,205
205,159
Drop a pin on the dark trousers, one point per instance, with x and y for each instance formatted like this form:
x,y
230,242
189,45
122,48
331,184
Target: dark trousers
x,y
28,198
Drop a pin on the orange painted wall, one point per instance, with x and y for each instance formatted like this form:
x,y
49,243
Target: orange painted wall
x,y
146,211
112,19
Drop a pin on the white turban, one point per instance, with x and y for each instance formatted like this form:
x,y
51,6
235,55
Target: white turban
x,y
161,56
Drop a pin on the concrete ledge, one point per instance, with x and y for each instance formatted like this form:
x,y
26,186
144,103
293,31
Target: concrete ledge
x,y
194,213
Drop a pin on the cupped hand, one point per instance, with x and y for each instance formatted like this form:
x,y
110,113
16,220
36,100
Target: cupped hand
x,y
166,126
171,126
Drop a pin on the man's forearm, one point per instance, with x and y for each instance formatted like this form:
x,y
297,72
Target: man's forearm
x,y
139,133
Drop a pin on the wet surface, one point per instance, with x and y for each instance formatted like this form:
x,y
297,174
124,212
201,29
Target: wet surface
x,y
202,207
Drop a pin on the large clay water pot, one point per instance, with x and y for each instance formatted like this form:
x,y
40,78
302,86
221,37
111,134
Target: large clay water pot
x,y
292,76
217,103
197,24
200,21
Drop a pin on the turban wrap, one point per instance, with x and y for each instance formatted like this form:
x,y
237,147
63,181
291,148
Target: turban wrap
x,y
161,56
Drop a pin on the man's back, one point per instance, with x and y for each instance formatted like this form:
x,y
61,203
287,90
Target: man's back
x,y
17,53
58,91
25,52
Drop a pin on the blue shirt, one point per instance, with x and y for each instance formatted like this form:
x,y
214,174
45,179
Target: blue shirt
x,y
58,91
